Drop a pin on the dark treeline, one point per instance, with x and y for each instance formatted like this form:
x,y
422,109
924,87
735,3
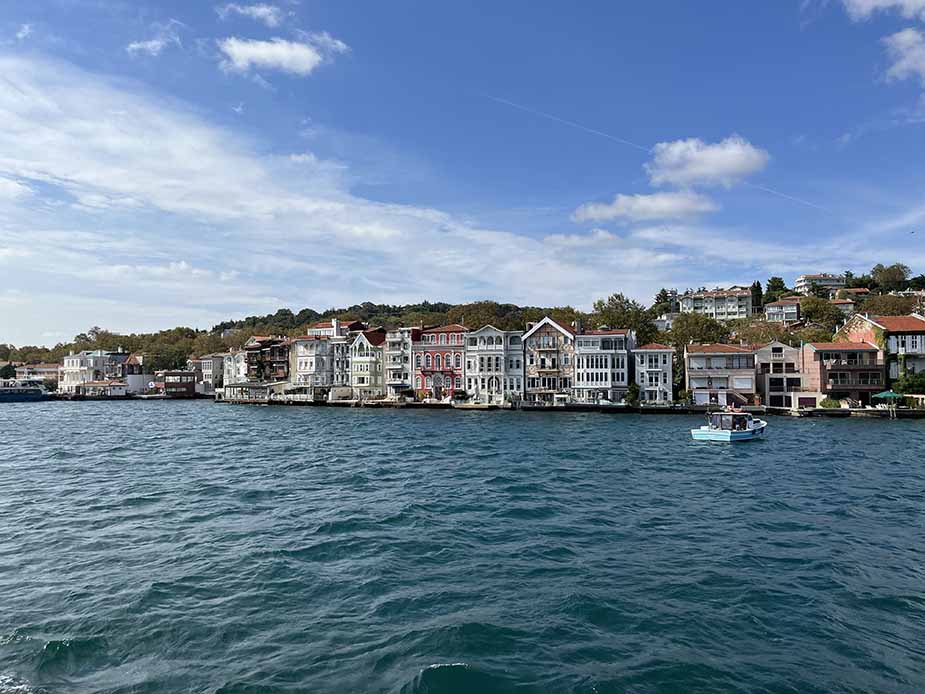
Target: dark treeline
x,y
171,348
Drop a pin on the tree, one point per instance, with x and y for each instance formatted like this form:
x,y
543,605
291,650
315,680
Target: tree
x,y
694,327
917,283
618,311
757,295
632,394
812,335
816,310
761,332
8,371
818,291
887,305
664,303
890,277
775,289
913,383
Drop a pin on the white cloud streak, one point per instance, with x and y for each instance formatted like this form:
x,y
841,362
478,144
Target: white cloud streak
x,y
271,15
693,162
167,35
243,56
907,51
634,208
860,10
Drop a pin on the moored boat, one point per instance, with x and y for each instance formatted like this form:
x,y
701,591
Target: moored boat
x,y
12,390
730,426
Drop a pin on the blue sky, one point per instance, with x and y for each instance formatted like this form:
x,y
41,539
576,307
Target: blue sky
x,y
171,162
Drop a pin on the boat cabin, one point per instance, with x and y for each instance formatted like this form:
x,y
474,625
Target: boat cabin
x,y
729,421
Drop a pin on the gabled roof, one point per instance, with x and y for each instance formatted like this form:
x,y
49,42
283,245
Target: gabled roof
x,y
373,337
499,330
653,347
546,320
717,348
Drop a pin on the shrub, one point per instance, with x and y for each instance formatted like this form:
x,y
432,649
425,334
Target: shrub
x,y
830,404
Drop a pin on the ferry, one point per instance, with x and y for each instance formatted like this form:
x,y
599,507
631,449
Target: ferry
x,y
730,426
21,391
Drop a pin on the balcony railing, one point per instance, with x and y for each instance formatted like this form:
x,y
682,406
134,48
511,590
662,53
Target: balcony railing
x,y
852,383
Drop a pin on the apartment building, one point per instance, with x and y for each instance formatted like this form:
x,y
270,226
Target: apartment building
x,y
718,374
366,366
779,377
785,310
843,370
720,304
901,340
311,366
397,357
831,284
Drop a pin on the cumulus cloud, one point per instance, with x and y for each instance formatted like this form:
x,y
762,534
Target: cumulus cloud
x,y
245,55
863,9
907,51
693,162
673,205
270,15
166,35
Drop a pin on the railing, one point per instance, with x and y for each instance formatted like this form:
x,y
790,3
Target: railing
x,y
852,383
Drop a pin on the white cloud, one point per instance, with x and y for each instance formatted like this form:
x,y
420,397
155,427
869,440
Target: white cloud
x,y
694,162
166,35
25,31
244,55
907,51
270,15
863,9
674,205
12,190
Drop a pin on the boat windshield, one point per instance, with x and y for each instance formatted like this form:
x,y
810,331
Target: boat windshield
x,y
729,422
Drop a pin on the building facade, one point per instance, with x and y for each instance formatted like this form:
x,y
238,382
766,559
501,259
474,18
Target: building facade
x,y
784,311
398,356
311,366
267,359
654,373
494,365
718,374
439,362
89,366
779,377
549,350
602,365
843,370
47,373
829,284
234,367
366,366
901,340
720,304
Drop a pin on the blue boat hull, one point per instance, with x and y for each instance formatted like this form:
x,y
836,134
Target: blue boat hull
x,y
22,397
729,436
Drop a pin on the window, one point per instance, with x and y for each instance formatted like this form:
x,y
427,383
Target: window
x,y
428,362
457,360
430,382
442,338
458,383
437,361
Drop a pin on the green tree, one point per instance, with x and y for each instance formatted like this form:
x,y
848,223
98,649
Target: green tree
x,y
8,371
913,383
760,332
887,305
917,283
663,302
694,327
618,311
757,295
816,310
632,394
818,291
890,277
775,289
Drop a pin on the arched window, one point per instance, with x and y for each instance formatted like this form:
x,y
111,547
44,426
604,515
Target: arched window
x,y
427,361
417,382
417,361
437,361
430,382
457,360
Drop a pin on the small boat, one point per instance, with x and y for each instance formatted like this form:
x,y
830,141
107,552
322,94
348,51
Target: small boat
x,y
12,390
730,426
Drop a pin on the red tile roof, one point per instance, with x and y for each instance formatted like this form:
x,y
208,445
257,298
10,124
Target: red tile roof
x,y
375,337
842,346
842,301
652,346
718,349
856,290
453,328
784,302
901,324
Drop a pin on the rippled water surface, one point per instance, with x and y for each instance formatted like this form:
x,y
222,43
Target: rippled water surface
x,y
195,547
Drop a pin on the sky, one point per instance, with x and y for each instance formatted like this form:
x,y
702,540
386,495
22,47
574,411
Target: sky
x,y
182,162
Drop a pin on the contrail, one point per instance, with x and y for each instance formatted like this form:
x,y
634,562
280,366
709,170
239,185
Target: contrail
x,y
568,122
585,128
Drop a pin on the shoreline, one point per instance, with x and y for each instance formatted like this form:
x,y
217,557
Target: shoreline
x,y
868,413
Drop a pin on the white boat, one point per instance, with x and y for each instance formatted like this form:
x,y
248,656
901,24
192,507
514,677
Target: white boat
x,y
730,426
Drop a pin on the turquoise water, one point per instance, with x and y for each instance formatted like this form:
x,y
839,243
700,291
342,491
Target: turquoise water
x,y
194,547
